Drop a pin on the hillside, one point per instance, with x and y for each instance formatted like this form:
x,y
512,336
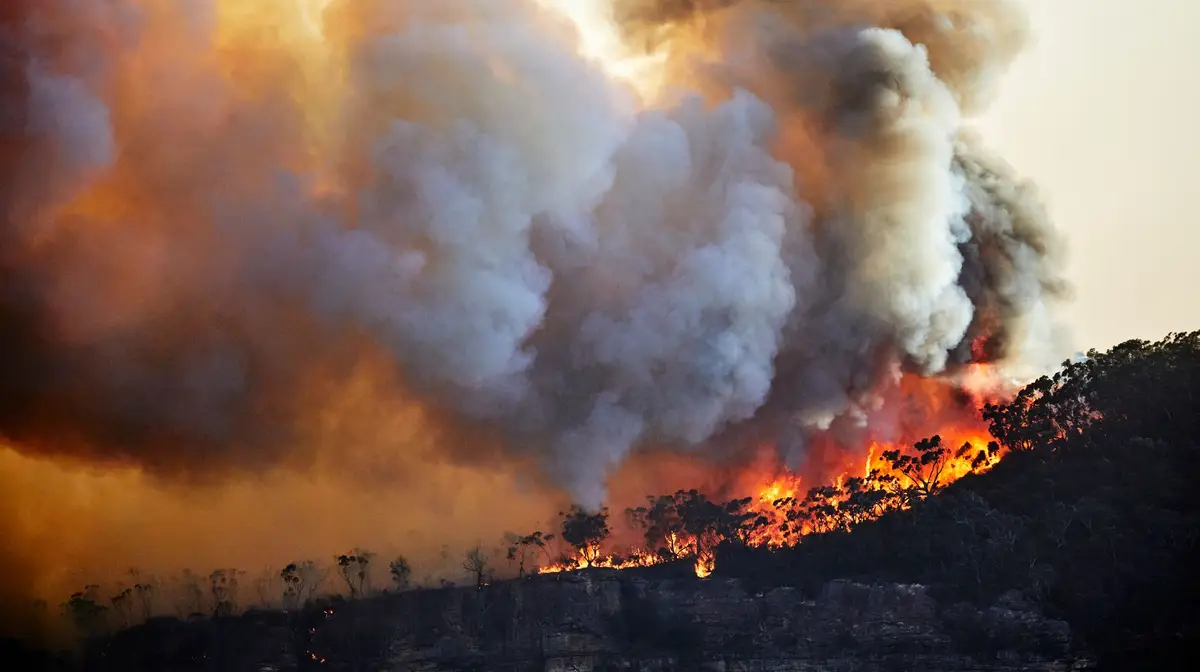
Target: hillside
x,y
1077,546
1093,515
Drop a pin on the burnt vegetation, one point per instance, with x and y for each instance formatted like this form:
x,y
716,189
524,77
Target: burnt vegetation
x,y
1091,515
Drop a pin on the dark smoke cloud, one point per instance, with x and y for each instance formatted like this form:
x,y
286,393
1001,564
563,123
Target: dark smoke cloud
x,y
1012,261
198,257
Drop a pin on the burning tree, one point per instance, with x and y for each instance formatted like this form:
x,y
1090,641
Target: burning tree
x,y
923,470
819,511
662,526
865,498
904,477
585,532
688,524
1023,424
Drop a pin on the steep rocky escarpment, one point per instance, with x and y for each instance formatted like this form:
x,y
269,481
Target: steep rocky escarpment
x,y
608,620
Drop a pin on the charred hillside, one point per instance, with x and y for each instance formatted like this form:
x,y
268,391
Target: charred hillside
x,y
1080,540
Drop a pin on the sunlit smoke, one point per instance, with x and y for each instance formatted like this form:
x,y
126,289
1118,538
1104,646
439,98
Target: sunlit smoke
x,y
600,40
345,246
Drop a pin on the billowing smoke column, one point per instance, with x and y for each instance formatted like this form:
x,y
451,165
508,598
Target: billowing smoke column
x,y
216,211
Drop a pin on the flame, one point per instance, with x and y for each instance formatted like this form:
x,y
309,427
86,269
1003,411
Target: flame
x,y
637,558
786,500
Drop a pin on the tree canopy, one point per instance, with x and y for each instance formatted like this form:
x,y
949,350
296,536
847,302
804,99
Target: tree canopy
x,y
1093,515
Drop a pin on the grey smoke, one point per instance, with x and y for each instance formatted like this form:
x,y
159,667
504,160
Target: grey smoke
x,y
537,257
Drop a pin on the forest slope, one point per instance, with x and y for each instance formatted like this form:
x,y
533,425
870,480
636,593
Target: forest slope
x,y
1086,533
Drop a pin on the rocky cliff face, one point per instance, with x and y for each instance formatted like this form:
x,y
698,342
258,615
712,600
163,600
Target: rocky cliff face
x,y
607,620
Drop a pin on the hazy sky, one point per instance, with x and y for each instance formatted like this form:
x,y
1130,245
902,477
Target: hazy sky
x,y
1103,112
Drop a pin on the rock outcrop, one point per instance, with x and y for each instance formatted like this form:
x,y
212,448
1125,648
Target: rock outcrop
x,y
608,620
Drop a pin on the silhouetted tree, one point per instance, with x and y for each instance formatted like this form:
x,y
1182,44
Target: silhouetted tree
x,y
144,590
401,573
191,597
662,526
85,612
122,604
475,562
264,586
922,471
986,457
293,585
687,523
1022,424
585,532
819,511
223,587
863,499
301,580
355,569
521,548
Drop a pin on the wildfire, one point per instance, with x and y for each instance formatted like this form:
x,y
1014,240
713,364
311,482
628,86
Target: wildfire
x,y
311,104
592,558
785,506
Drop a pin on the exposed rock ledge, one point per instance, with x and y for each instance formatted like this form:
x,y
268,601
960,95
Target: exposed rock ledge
x,y
607,620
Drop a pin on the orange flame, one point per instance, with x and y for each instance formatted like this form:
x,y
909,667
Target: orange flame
x,y
784,504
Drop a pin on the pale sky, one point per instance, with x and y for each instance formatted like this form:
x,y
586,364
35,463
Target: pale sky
x,y
1103,113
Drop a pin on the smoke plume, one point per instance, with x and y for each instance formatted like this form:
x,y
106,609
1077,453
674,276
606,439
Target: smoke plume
x,y
369,237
